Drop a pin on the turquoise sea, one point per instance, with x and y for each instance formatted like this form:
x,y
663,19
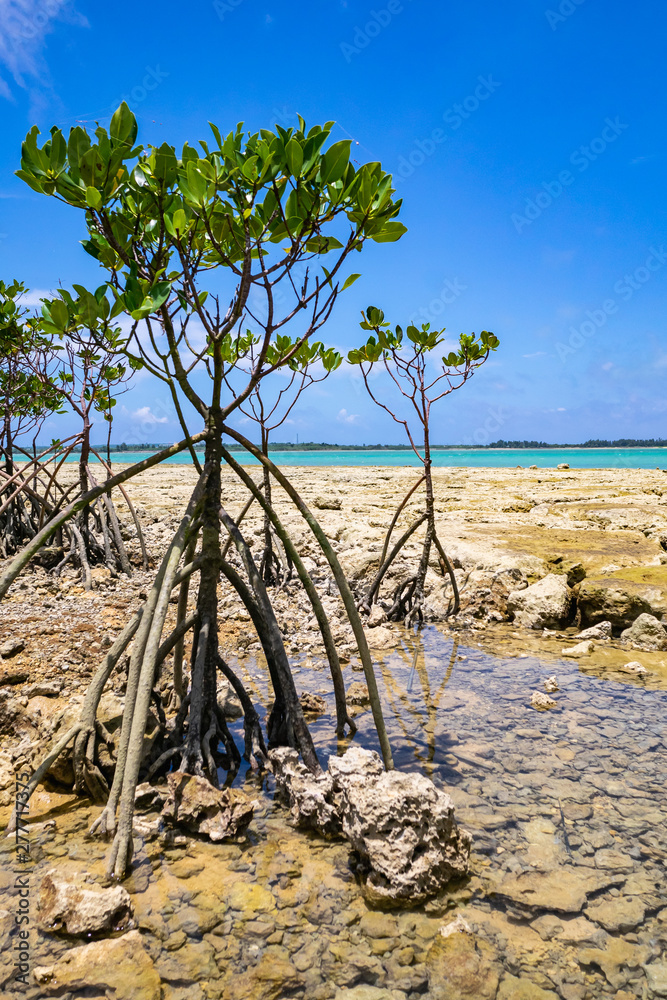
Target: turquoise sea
x,y
498,458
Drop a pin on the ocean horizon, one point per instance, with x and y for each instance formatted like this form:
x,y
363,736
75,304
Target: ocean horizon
x,y
495,458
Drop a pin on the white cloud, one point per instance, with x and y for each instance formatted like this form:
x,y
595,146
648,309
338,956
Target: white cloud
x,y
537,354
25,24
347,418
146,416
607,366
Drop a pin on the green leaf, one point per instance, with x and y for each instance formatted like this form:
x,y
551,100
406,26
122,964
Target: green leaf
x,y
123,128
335,161
294,156
390,232
93,197
350,281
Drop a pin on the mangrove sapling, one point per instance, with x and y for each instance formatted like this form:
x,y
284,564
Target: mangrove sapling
x,y
253,207
406,362
92,367
27,397
269,405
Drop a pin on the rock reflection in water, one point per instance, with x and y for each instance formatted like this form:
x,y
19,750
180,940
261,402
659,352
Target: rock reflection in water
x,y
567,897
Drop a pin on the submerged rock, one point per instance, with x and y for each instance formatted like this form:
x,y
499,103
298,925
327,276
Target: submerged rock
x,y
545,604
542,702
401,825
117,967
194,804
564,890
581,649
646,632
634,667
80,909
312,704
461,966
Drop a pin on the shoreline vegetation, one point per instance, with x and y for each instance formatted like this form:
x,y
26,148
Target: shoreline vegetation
x,y
324,446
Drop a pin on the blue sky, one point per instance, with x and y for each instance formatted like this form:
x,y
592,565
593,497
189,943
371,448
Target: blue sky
x,y
527,139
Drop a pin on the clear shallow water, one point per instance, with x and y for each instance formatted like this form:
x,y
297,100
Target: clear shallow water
x,y
501,458
572,800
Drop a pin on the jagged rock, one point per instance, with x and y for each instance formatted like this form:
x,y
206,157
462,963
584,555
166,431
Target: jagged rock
x,y
13,675
656,977
313,704
401,825
79,909
357,693
381,637
584,648
11,648
546,603
562,466
598,602
116,967
194,804
512,988
542,702
377,617
646,632
551,685
601,631
461,966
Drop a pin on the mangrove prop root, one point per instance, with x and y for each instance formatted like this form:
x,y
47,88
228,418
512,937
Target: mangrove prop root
x,y
371,596
342,716
343,587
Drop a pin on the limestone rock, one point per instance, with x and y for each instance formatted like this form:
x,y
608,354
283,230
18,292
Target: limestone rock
x,y
117,968
656,976
377,617
312,704
604,600
357,693
563,890
328,503
13,675
11,648
551,685
512,988
545,604
80,909
194,804
634,667
401,825
584,648
542,702
228,701
43,689
622,914
646,632
461,966
562,466
601,631
381,637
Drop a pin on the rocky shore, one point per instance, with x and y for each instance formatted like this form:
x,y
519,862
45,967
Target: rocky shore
x,y
561,573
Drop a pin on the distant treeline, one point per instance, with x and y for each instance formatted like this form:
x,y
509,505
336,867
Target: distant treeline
x,y
593,443
323,446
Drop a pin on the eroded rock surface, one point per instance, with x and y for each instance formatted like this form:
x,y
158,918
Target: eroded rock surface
x,y
401,825
646,632
194,804
545,604
80,909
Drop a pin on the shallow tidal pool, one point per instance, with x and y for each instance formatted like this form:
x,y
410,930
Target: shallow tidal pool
x,y
566,896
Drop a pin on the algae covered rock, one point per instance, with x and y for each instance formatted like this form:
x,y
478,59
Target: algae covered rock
x,y
118,967
461,966
646,632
